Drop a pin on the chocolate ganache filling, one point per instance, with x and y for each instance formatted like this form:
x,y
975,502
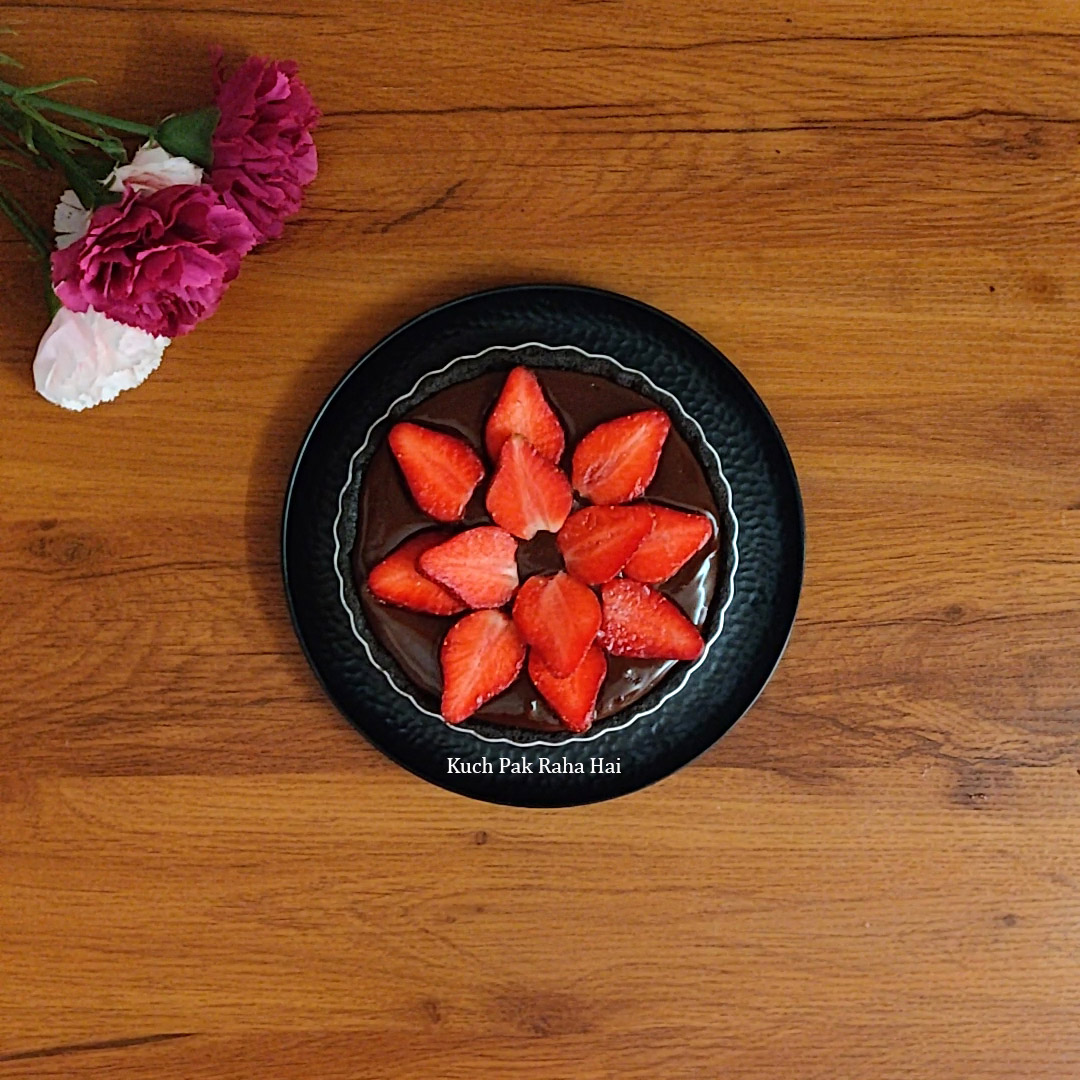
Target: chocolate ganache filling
x,y
388,516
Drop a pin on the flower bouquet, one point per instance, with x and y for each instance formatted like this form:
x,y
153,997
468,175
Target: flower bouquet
x,y
147,238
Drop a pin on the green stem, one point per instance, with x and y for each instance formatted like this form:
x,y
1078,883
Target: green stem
x,y
37,101
52,301
61,133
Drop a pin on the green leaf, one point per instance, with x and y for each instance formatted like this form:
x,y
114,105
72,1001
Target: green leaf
x,y
27,132
189,135
10,61
9,164
91,193
23,98
112,146
44,88
66,137
11,120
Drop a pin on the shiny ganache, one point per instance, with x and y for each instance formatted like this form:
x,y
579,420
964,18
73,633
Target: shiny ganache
x,y
387,515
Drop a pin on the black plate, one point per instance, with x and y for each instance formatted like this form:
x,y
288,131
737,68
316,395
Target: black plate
x,y
668,729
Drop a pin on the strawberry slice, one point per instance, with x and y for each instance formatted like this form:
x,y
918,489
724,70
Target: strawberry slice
x,y
398,582
527,493
442,471
479,565
573,698
639,621
481,656
616,461
675,537
559,618
596,542
522,409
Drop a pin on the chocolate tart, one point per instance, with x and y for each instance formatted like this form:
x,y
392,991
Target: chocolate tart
x,y
584,390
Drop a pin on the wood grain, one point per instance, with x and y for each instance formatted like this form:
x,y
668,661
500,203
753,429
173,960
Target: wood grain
x,y
874,209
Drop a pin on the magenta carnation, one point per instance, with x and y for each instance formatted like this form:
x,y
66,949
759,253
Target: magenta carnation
x,y
264,155
158,260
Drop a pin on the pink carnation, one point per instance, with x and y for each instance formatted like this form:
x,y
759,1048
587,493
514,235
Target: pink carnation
x,y
264,155
158,260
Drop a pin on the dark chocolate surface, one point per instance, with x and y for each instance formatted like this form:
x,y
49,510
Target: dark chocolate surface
x,y
387,516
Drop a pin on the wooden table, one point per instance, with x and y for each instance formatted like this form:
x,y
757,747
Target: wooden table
x,y
873,209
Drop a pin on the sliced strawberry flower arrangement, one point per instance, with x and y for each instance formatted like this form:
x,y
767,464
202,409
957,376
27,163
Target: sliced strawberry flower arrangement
x,y
621,546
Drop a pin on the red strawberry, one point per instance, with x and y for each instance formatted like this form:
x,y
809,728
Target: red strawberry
x,y
639,621
523,410
573,698
674,538
597,542
616,461
481,656
442,471
559,618
527,493
397,581
479,565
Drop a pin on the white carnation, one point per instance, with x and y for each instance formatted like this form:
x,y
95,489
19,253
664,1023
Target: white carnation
x,y
85,358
